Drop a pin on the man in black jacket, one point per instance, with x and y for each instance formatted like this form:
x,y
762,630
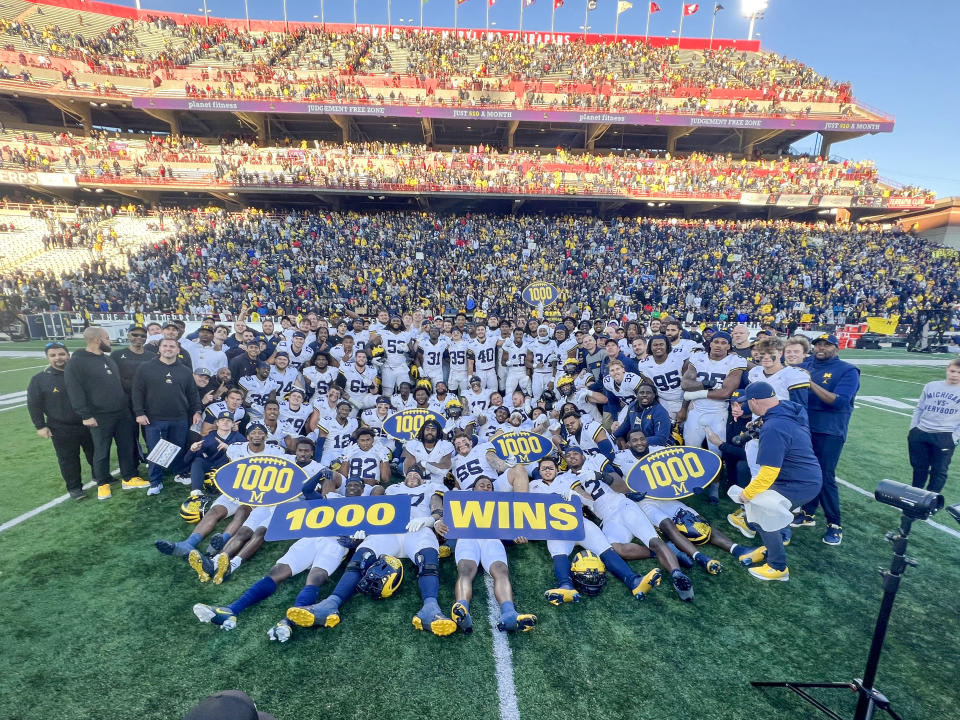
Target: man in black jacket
x,y
96,393
128,359
165,398
54,418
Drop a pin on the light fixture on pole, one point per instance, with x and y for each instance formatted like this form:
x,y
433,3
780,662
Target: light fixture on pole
x,y
753,10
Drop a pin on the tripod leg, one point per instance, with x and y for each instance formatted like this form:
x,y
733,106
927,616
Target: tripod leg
x,y
798,688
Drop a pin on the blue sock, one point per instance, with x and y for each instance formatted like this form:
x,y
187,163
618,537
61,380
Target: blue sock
x,y
347,586
194,539
618,566
183,548
308,596
226,536
507,608
465,603
261,589
561,570
429,584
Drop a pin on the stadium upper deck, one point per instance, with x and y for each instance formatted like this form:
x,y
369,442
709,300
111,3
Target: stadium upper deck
x,y
436,86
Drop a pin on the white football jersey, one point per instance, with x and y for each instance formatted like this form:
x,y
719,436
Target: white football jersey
x,y
288,379
396,345
606,500
242,450
782,382
626,389
320,382
258,392
297,359
467,468
684,347
461,423
369,418
422,455
717,371
458,356
339,438
363,463
492,427
297,419
214,409
666,376
433,357
484,353
400,404
359,383
586,439
543,355
516,354
419,496
476,402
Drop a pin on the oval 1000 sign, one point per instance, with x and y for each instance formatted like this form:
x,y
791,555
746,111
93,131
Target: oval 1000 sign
x,y
521,446
540,292
674,472
260,480
405,424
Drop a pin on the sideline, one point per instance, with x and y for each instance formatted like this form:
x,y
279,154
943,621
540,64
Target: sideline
x,y
46,506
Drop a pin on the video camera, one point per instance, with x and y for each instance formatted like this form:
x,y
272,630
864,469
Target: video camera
x,y
915,502
750,432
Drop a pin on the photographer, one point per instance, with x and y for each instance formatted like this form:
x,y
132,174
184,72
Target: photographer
x,y
787,465
935,430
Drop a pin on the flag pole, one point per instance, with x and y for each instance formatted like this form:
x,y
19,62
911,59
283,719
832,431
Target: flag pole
x,y
522,2
680,31
616,26
553,11
456,9
488,14
646,33
716,9
389,15
586,16
421,13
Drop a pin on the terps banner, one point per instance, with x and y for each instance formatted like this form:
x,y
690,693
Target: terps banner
x,y
507,515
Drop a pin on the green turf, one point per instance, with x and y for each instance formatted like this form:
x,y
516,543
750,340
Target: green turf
x,y
98,624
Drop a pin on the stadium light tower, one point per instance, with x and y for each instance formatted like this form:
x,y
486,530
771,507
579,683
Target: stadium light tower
x,y
753,11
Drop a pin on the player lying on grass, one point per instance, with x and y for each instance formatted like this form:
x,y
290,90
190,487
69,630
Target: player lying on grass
x,y
419,544
248,539
223,506
594,541
679,523
489,553
322,555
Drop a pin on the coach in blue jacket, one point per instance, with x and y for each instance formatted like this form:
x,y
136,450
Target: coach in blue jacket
x,y
787,466
833,388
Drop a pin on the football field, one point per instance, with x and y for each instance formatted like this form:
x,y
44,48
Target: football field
x,y
97,624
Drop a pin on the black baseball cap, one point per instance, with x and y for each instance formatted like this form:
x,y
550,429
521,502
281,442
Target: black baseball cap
x,y
137,328
226,705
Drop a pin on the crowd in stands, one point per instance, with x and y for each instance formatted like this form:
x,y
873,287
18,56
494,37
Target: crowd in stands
x,y
706,270
407,66
406,166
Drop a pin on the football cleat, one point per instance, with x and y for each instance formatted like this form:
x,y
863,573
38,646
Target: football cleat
x,y
155,489
445,551
647,583
514,622
803,519
218,615
103,492
438,623
216,544
281,632
754,557
202,565
221,568
461,616
167,547
183,479
834,535
739,520
713,567
560,595
323,614
765,572
683,586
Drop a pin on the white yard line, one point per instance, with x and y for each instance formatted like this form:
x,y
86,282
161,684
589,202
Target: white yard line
x,y
881,377
503,660
46,506
12,407
32,367
943,528
869,407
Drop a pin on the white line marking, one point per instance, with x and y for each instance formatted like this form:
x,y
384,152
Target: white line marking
x,y
46,506
19,354
882,377
32,367
9,397
503,660
869,407
12,407
938,526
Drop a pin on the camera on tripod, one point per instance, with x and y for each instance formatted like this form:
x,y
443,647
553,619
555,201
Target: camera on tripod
x,y
750,432
915,502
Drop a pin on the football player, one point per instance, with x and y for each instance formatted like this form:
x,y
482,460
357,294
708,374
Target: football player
x,y
438,401
232,402
471,554
324,408
403,399
258,388
707,383
590,435
594,541
789,382
679,345
515,356
621,519
483,364
459,353
569,393
224,507
419,544
545,356
284,375
366,459
296,350
476,396
429,451
374,418
648,416
398,344
430,355
335,437
360,382
294,414
320,375
665,369
499,423
456,420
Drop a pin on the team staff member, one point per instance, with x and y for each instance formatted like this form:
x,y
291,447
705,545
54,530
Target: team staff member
x,y
54,418
96,394
787,466
935,430
833,388
128,359
164,397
